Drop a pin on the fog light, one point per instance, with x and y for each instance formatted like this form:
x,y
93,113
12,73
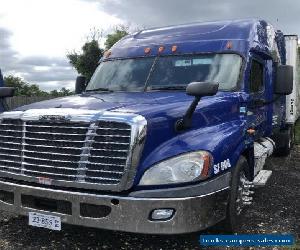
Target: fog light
x,y
162,214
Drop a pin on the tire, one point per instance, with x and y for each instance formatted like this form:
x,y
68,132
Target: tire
x,y
234,206
284,142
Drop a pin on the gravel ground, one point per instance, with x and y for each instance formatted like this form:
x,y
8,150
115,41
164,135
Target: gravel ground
x,y
276,209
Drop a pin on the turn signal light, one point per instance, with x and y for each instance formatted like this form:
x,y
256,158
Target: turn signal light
x,y
229,45
174,48
107,53
147,50
161,49
251,131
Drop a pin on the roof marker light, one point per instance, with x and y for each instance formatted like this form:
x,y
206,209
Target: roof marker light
x,y
147,50
161,49
251,131
229,45
174,48
107,53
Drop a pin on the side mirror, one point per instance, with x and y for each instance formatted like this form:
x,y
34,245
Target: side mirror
x,y
202,89
284,80
6,92
198,90
80,84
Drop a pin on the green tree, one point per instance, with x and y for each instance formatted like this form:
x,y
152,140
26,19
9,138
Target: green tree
x,y
15,82
62,92
65,92
86,62
22,87
119,33
54,93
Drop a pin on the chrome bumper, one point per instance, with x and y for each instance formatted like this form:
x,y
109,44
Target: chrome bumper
x,y
130,214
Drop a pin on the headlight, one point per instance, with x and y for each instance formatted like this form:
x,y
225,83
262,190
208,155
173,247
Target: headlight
x,y
180,169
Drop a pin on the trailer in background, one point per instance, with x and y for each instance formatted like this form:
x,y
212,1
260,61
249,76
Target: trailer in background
x,y
293,100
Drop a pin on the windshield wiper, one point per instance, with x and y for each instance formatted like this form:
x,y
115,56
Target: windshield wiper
x,y
174,87
99,89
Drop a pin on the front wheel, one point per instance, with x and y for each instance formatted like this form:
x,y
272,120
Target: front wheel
x,y
239,197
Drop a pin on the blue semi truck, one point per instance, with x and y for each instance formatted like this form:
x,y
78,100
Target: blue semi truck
x,y
169,136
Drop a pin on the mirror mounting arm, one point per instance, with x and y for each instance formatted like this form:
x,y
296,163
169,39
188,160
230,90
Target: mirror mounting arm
x,y
186,121
198,90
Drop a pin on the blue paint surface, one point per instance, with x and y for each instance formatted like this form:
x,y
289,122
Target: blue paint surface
x,y
220,122
218,126
1,85
1,79
245,35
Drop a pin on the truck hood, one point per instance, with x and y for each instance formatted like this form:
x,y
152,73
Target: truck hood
x,y
136,102
161,110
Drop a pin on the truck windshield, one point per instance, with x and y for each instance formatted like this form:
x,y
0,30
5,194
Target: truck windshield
x,y
166,72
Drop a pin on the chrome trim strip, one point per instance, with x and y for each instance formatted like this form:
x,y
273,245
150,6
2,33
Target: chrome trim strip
x,y
10,149
14,137
47,146
44,126
8,130
85,128
72,169
50,133
41,159
118,143
5,142
83,158
14,156
13,125
39,139
52,153
23,146
17,162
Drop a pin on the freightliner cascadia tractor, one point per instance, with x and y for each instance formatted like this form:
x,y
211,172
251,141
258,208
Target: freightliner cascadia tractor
x,y
169,136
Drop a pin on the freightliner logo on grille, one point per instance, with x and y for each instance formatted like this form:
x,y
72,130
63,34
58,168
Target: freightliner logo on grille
x,y
54,118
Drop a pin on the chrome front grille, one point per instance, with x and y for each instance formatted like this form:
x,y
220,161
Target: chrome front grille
x,y
72,153
11,145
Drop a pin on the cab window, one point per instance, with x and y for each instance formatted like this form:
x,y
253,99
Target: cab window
x,y
256,77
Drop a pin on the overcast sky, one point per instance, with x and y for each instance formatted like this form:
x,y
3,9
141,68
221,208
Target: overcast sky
x,y
35,35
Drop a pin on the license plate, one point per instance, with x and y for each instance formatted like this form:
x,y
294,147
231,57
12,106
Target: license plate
x,y
45,221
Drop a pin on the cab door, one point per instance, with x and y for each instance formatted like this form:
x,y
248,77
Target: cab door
x,y
257,106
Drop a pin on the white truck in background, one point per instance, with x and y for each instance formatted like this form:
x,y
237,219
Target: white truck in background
x,y
292,58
